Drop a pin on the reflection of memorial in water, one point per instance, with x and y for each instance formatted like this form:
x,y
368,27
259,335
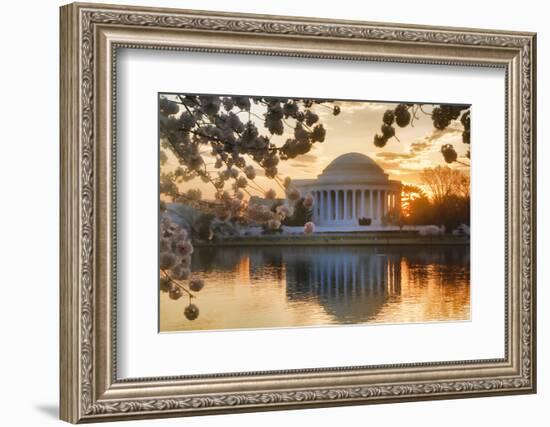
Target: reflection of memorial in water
x,y
351,285
285,286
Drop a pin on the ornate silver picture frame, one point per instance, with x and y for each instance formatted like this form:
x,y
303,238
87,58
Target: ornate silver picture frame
x,y
91,36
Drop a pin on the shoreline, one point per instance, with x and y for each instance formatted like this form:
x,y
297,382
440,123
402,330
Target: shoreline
x,y
335,239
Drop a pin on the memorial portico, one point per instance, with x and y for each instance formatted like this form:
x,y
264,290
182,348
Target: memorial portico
x,y
350,188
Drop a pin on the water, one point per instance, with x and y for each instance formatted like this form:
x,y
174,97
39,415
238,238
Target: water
x,y
281,286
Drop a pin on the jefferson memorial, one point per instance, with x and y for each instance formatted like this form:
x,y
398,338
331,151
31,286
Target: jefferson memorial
x,y
351,188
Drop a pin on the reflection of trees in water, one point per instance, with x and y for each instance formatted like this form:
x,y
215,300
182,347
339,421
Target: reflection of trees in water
x,y
226,259
447,264
352,283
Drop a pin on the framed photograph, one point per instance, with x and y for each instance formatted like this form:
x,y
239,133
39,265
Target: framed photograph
x,y
266,212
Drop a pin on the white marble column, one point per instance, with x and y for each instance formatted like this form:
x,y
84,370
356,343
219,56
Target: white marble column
x,y
345,213
323,206
354,204
379,205
336,205
363,203
344,204
320,205
329,204
315,206
371,210
354,212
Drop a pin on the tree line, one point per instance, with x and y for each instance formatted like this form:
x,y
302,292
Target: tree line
x,y
448,203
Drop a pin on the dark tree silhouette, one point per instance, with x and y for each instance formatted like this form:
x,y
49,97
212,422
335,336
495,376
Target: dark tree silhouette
x,y
408,194
442,116
300,215
448,205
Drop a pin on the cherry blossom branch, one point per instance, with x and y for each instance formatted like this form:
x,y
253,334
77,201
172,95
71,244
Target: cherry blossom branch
x,y
175,282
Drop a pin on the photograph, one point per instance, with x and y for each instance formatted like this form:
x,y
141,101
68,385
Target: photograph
x,y
292,212
291,206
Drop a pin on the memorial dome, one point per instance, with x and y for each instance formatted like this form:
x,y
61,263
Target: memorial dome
x,y
353,166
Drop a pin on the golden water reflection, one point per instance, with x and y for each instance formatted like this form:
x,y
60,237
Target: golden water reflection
x,y
270,287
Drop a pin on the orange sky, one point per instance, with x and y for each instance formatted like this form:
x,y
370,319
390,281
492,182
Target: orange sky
x,y
353,131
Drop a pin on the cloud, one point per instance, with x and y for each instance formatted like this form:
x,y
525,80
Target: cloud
x,y
307,158
388,155
306,167
306,163
438,134
419,146
357,106
398,168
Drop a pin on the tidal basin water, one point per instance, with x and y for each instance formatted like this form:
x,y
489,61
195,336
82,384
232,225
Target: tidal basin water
x,y
282,286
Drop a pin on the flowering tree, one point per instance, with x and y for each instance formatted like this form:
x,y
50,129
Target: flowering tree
x,y
442,116
192,126
215,138
175,265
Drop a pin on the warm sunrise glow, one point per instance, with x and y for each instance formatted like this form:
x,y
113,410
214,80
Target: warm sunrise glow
x,y
418,147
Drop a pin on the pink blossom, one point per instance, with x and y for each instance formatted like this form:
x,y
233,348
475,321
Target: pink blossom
x,y
186,261
250,172
179,272
165,244
283,211
259,213
293,195
270,194
196,285
308,201
175,293
183,247
167,260
191,312
180,235
236,204
309,228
